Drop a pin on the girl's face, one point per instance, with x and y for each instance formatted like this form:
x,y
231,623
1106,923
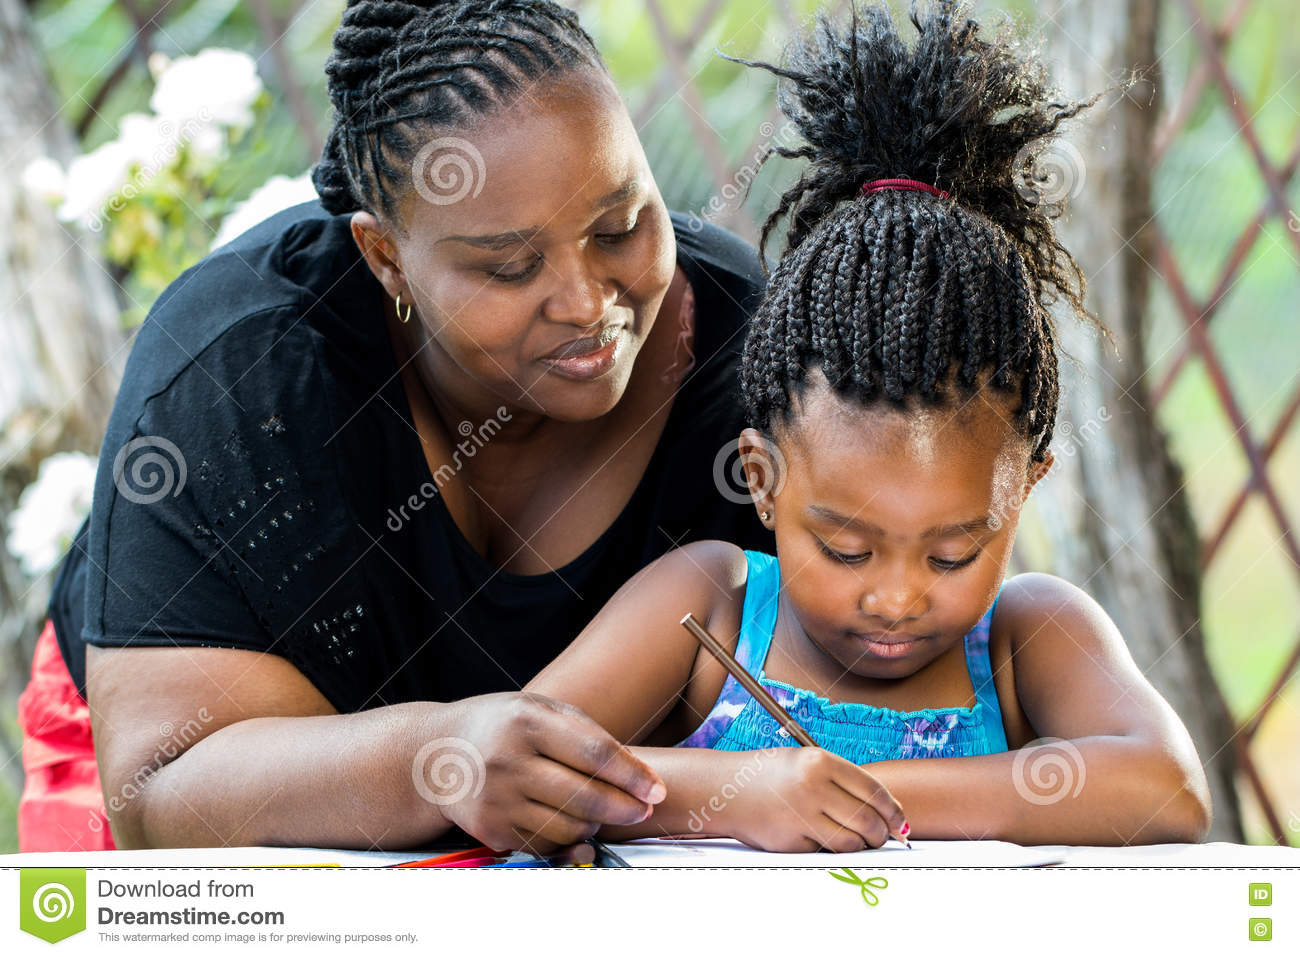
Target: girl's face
x,y
539,283
894,528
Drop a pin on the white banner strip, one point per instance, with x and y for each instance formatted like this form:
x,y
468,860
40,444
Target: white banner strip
x,y
715,911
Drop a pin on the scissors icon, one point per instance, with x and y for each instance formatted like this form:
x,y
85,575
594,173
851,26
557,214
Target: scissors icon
x,y
863,884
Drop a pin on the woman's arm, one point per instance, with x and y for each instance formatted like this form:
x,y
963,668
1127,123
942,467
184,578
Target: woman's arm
x,y
1113,763
214,746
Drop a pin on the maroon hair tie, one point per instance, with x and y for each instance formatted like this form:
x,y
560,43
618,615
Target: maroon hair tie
x,y
913,185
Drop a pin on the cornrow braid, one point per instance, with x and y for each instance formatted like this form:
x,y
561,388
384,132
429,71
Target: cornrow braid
x,y
909,296
399,70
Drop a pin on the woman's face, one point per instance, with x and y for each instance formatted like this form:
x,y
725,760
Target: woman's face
x,y
894,528
536,251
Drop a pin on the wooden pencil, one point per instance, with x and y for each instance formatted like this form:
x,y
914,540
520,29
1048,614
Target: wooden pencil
x,y
761,695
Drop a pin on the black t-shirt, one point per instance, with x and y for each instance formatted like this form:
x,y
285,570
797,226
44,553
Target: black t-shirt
x,y
269,371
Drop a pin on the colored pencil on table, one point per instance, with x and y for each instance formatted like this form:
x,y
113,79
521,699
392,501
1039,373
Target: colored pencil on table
x,y
761,695
447,860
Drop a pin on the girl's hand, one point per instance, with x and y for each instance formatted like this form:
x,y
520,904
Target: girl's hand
x,y
808,799
550,776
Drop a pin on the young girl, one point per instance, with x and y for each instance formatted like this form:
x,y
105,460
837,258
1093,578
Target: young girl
x,y
901,387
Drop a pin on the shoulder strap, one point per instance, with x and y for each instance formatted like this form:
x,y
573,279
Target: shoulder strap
x,y
758,616
981,676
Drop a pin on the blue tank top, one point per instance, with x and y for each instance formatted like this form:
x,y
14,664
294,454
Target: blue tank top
x,y
860,733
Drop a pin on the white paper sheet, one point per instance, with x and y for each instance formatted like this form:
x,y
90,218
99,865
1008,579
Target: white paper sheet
x,y
1217,854
718,852
723,852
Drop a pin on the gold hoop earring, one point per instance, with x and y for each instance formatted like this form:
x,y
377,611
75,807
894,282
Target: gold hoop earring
x,y
404,318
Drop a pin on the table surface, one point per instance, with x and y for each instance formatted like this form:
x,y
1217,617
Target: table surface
x,y
651,852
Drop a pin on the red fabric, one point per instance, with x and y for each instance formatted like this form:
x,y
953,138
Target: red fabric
x,y
62,807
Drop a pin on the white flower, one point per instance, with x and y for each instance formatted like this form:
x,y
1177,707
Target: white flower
x,y
150,142
277,193
44,178
217,86
207,142
50,510
158,64
92,180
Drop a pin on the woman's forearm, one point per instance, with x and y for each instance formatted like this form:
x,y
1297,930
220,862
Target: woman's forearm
x,y
1097,790
326,781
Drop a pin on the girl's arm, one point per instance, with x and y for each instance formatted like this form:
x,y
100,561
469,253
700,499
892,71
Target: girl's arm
x,y
1113,763
635,665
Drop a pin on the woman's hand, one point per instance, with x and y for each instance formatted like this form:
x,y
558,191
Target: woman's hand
x,y
549,775
807,799
261,757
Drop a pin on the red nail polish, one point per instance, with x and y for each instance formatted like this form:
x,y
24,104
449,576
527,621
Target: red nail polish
x,y
906,828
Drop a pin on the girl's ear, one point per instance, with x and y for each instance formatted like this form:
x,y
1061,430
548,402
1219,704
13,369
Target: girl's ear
x,y
1040,470
379,252
764,467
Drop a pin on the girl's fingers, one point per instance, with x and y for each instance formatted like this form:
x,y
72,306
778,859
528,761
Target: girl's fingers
x,y
580,796
568,736
859,818
834,835
868,790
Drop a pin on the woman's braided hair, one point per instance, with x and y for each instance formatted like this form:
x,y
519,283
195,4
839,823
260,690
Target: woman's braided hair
x,y
399,69
903,295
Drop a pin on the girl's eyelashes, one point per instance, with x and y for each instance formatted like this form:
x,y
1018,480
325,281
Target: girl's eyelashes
x,y
839,556
945,565
942,564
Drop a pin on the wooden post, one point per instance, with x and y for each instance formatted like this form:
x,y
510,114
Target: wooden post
x,y
1119,521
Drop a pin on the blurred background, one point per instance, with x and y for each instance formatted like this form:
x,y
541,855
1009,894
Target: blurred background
x,y
138,134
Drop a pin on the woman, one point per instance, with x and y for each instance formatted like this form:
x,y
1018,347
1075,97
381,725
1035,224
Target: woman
x,y
427,427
